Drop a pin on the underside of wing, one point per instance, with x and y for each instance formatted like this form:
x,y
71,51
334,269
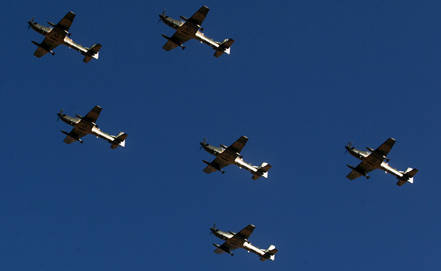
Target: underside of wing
x,y
224,248
237,146
69,140
245,232
353,175
73,136
93,114
386,147
40,52
45,46
67,20
362,169
217,165
199,16
176,40
169,45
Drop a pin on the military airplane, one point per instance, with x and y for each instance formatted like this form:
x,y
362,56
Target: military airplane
x,y
377,159
87,125
190,28
240,240
58,34
231,155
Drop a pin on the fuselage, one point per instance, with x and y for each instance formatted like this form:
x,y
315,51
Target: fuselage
x,y
212,149
43,30
57,36
192,31
237,242
378,163
86,127
229,157
222,234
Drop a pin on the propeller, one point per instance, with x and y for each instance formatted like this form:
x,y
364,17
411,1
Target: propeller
x,y
59,113
163,14
30,22
349,145
213,228
204,142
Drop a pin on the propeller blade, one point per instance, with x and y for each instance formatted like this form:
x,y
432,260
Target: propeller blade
x,y
204,142
349,145
161,15
59,113
30,22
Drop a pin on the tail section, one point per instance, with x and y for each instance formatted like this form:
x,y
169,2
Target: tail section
x,y
224,47
407,176
92,52
120,140
262,171
270,253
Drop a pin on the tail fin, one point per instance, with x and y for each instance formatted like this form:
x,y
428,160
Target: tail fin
x,y
224,47
270,253
262,171
92,52
120,140
407,176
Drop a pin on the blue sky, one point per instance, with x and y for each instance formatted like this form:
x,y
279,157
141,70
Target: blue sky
x,y
303,79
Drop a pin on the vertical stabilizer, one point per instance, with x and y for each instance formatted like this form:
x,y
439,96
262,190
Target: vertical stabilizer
x,y
262,171
270,253
407,176
119,140
92,52
224,48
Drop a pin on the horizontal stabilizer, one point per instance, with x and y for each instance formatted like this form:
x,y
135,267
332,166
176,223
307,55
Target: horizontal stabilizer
x,y
270,253
224,47
407,176
262,171
120,140
92,52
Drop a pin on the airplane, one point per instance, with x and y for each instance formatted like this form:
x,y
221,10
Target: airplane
x,y
377,159
190,28
87,125
231,155
58,34
240,240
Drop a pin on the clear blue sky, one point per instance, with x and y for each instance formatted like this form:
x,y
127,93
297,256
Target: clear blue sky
x,y
303,79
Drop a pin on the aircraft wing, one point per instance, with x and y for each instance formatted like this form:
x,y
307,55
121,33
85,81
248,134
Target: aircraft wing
x,y
245,232
74,135
216,165
224,248
364,166
385,148
93,114
227,156
48,44
186,31
67,20
199,16
177,39
232,243
237,146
